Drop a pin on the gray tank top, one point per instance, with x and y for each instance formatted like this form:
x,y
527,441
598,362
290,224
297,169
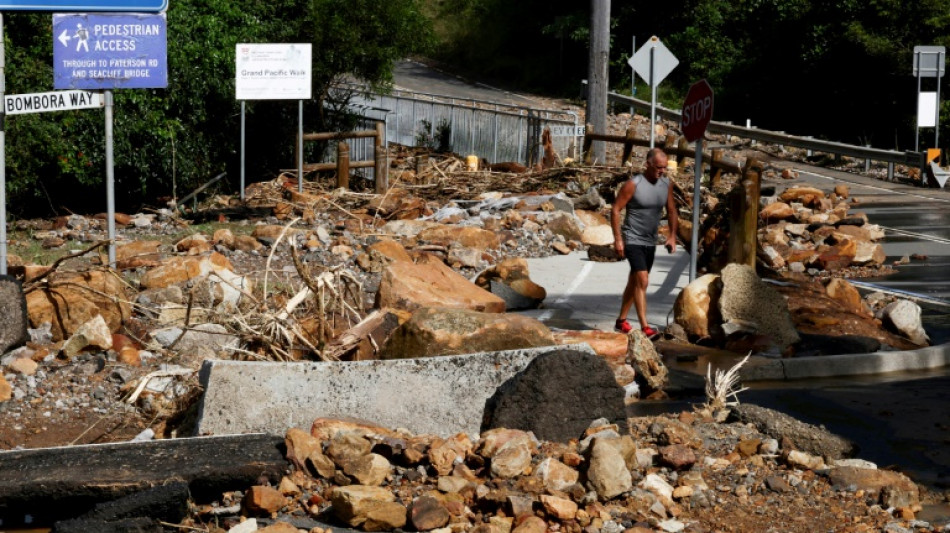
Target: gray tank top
x,y
644,210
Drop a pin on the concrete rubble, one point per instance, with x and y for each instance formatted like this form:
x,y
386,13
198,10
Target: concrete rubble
x,y
342,282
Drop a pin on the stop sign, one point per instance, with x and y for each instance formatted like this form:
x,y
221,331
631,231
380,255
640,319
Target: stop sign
x,y
697,110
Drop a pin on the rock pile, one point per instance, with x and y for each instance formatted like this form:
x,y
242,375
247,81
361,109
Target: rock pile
x,y
667,474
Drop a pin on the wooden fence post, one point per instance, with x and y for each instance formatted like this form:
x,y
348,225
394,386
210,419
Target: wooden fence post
x,y
682,151
715,172
588,141
343,165
630,136
382,160
744,215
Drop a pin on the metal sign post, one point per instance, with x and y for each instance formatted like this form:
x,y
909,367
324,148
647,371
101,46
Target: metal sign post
x,y
243,114
110,180
696,114
3,160
633,77
653,62
929,62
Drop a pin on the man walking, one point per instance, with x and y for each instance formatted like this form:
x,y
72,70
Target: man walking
x,y
644,196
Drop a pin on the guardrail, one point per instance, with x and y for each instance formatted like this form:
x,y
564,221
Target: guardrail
x,y
891,157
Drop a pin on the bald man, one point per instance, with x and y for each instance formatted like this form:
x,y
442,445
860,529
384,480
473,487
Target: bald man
x,y
643,196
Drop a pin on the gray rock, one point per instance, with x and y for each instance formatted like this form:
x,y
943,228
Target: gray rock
x,y
590,200
608,473
903,317
41,335
13,317
747,299
514,300
557,396
203,340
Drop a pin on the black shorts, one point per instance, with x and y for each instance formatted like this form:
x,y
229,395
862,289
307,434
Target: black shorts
x,y
640,257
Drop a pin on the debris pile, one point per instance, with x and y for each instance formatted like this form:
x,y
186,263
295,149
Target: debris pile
x,y
673,473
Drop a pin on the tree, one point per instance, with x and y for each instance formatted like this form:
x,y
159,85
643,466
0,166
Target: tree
x,y
189,132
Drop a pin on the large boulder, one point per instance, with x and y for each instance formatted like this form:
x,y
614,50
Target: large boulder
x,y
430,283
747,300
892,489
903,317
137,254
225,287
510,281
467,236
611,345
697,307
807,196
68,303
848,296
565,225
444,331
13,316
557,396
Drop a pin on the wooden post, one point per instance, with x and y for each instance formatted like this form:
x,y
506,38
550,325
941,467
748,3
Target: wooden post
x,y
382,160
343,165
682,151
630,136
588,141
715,171
743,226
422,162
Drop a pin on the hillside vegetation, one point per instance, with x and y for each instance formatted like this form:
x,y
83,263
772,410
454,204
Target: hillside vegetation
x,y
839,69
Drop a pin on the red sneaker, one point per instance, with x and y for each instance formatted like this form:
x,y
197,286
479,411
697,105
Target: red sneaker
x,y
623,326
649,332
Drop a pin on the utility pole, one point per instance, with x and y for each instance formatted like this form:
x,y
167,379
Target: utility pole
x,y
597,75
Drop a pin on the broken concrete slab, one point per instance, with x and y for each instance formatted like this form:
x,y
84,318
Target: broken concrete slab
x,y
13,317
439,395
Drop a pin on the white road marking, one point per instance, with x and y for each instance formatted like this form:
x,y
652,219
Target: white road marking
x,y
581,276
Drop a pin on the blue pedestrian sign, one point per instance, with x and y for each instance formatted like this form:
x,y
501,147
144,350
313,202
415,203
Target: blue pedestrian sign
x,y
64,6
100,51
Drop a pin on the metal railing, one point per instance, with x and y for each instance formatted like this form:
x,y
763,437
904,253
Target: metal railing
x,y
891,157
495,132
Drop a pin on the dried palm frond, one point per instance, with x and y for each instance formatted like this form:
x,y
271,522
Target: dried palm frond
x,y
721,387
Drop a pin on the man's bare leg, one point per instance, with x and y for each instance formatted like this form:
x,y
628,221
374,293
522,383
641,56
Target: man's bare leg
x,y
641,282
626,301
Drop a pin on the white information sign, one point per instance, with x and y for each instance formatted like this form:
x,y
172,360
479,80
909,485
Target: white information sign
x,y
273,71
926,110
20,104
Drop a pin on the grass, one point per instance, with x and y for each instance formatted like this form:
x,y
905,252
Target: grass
x,y
24,244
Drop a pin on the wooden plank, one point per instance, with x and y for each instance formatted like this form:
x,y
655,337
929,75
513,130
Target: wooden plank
x,y
65,480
